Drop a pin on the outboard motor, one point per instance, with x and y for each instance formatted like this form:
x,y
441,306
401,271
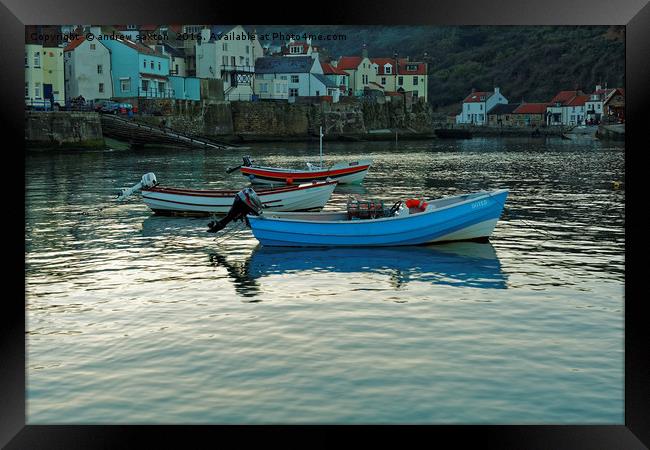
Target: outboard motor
x,y
148,180
246,202
247,163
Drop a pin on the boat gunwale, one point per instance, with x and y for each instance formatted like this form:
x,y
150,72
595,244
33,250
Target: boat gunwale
x,y
225,193
380,219
269,171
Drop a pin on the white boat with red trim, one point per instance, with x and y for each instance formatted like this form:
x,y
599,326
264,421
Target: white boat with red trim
x,y
344,173
182,201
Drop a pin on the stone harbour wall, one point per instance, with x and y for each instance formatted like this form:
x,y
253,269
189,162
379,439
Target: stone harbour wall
x,y
63,129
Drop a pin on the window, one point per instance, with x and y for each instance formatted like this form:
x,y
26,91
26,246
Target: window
x,y
225,46
26,60
295,49
388,69
233,61
145,85
481,107
37,90
264,87
37,59
364,79
176,69
241,60
99,69
248,50
400,81
224,60
26,89
295,79
92,46
101,87
283,77
125,85
248,61
411,67
151,64
317,93
144,64
383,80
159,65
161,86
293,92
415,94
415,81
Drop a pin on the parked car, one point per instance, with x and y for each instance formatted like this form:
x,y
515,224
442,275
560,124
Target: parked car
x,y
124,108
109,107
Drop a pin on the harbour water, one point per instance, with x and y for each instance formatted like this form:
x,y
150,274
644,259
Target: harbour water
x,y
136,318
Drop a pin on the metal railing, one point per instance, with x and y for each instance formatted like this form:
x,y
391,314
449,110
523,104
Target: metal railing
x,y
237,68
156,93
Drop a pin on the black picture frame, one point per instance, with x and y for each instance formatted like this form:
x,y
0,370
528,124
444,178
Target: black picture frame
x,y
15,14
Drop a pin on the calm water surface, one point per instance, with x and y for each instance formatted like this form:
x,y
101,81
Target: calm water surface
x,y
135,318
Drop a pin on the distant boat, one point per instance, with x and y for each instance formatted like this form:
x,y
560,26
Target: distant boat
x,y
344,173
414,222
181,201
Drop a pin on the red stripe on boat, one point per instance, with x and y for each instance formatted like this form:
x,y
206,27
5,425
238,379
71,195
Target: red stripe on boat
x,y
303,175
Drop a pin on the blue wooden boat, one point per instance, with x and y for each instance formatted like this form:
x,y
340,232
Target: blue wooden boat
x,y
457,218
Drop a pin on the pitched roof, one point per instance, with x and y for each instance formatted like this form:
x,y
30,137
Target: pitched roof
x,y
378,85
329,69
74,44
475,97
140,48
381,63
420,69
531,108
578,100
503,108
281,64
564,96
326,81
349,62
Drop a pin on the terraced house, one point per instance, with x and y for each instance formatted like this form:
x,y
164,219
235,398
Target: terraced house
x,y
44,76
226,53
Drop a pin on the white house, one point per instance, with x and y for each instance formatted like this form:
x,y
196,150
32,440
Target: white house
x,y
567,108
477,105
301,76
300,48
87,70
227,53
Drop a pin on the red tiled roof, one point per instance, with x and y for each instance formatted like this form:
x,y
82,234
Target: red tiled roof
x,y
349,62
475,97
531,108
578,100
564,96
381,63
74,44
329,69
140,48
420,70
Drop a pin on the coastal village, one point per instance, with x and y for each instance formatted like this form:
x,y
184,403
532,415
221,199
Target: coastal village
x,y
130,69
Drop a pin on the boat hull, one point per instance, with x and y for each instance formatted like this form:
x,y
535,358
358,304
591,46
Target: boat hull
x,y
470,219
171,201
346,173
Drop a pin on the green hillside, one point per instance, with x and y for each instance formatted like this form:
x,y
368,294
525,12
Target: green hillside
x,y
532,62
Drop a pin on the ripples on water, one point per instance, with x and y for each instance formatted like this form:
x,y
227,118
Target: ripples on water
x,y
135,318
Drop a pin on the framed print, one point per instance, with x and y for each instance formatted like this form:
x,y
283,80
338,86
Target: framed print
x,y
406,218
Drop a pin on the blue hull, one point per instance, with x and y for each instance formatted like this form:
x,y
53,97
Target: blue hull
x,y
467,217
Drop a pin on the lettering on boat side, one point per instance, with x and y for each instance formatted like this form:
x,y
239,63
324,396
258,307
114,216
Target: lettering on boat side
x,y
479,204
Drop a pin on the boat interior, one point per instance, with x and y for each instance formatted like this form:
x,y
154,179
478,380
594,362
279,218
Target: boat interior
x,y
338,216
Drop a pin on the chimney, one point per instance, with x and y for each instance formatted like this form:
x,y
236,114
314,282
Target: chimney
x,y
496,90
598,87
364,51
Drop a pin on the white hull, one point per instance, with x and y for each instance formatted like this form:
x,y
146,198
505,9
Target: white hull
x,y
305,197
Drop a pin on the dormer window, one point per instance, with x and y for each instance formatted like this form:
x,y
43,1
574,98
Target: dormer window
x,y
295,49
482,98
388,69
411,67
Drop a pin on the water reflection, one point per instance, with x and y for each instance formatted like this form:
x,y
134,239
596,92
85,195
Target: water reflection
x,y
460,264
